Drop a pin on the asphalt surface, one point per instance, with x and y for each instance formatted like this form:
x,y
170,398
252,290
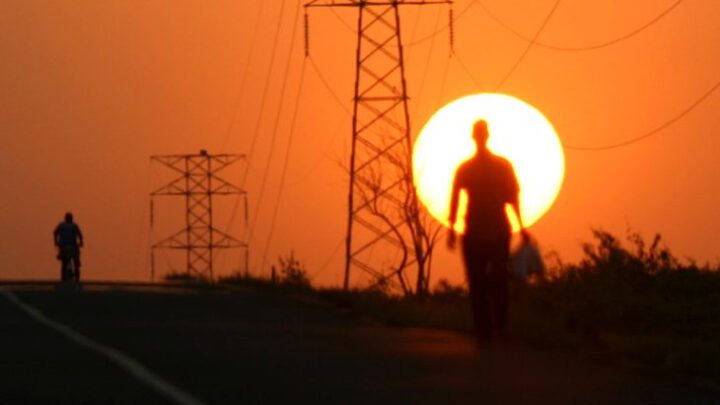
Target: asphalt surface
x,y
246,347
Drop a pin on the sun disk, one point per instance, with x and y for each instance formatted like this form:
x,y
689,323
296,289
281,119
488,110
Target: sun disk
x,y
518,132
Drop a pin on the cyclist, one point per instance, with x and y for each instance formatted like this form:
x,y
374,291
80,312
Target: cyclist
x,y
68,238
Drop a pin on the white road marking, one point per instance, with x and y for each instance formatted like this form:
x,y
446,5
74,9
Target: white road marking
x,y
135,368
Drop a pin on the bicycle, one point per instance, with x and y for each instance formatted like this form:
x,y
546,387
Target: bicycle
x,y
69,271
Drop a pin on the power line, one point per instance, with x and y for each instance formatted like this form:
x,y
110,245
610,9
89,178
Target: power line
x,y
273,137
437,31
314,165
328,87
443,82
462,64
283,173
266,87
329,259
529,46
426,67
343,22
243,76
533,41
263,99
413,33
579,48
651,132
301,178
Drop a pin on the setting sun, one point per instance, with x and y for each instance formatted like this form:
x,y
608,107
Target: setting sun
x,y
518,132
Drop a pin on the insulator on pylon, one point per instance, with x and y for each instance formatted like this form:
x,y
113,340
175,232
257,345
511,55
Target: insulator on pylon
x,y
247,220
307,34
451,30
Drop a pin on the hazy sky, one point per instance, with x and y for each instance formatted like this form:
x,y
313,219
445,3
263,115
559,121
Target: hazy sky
x,y
90,89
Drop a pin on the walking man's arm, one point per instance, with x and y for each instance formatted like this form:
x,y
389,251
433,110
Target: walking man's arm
x,y
452,217
516,208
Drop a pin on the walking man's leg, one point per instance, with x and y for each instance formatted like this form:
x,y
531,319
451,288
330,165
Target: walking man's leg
x,y
498,285
475,269
482,316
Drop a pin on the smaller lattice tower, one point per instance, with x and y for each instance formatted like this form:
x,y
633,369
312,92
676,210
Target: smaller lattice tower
x,y
197,180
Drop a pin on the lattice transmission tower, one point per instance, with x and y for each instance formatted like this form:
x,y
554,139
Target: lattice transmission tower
x,y
379,241
197,180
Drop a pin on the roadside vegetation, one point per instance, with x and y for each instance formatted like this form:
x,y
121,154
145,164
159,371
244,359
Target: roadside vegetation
x,y
635,301
627,301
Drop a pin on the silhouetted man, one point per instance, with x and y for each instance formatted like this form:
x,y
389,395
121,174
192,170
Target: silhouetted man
x,y
68,239
490,183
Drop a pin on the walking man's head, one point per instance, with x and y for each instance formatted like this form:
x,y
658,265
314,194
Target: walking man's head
x,y
480,134
68,217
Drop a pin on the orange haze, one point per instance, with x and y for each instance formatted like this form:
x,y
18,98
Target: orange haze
x,y
90,89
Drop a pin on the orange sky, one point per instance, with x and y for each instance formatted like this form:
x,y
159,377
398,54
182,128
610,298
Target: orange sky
x,y
91,89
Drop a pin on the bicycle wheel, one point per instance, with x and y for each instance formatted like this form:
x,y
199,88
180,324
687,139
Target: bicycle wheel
x,y
68,270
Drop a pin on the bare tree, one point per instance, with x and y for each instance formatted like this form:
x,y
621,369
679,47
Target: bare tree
x,y
424,231
372,195
389,194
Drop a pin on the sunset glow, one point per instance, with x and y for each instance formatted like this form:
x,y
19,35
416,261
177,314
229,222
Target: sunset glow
x,y
518,132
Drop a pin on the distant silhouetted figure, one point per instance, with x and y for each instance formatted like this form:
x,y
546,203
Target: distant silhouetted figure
x,y
68,239
490,183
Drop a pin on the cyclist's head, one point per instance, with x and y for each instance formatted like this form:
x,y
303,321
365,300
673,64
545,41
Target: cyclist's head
x,y
68,217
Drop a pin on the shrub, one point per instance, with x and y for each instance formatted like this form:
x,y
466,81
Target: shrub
x,y
292,271
185,277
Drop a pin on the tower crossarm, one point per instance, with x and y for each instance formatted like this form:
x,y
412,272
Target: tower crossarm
x,y
224,187
223,240
223,160
174,187
174,241
361,3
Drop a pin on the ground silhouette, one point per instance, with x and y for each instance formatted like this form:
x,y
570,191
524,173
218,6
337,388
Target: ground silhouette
x,y
239,345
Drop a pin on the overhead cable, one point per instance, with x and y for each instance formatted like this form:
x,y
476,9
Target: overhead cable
x,y
276,123
243,77
465,68
651,132
579,48
528,47
263,100
286,160
329,88
437,31
455,17
426,67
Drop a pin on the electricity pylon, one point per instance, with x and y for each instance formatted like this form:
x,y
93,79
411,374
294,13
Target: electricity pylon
x,y
382,193
197,180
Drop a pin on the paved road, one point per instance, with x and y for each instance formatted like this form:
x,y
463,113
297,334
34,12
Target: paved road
x,y
242,347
